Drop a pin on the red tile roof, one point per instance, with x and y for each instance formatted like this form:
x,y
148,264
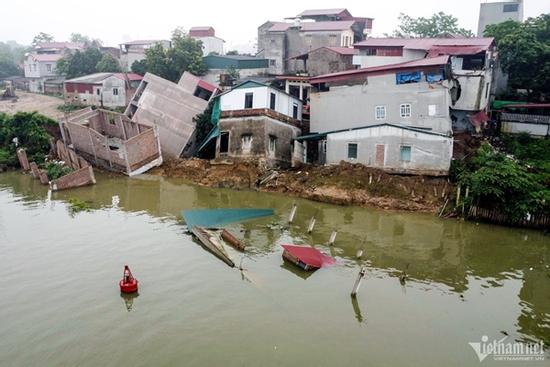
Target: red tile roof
x,y
425,43
343,75
46,57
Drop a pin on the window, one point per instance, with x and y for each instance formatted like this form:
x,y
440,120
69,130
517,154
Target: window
x,y
98,91
510,8
295,110
405,110
246,143
405,153
432,110
332,40
272,144
380,112
352,150
49,68
248,100
272,62
115,91
112,120
272,101
224,142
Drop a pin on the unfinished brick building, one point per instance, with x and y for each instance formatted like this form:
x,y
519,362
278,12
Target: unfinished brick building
x,y
112,141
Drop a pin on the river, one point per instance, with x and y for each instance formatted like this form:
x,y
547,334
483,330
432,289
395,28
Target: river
x,y
60,304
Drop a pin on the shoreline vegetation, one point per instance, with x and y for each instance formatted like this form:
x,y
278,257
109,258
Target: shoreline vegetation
x,y
507,175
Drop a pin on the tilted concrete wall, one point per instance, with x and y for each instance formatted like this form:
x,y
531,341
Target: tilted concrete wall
x,y
171,107
430,154
353,106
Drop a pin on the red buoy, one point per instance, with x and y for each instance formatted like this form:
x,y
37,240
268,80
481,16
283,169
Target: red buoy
x,y
128,284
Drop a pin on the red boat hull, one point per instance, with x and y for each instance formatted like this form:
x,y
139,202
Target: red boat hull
x,y
129,287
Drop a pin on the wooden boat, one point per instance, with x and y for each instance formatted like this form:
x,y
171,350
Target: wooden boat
x,y
209,240
305,257
232,240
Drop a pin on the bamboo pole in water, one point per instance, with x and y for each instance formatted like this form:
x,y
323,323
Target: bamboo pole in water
x,y
360,277
292,213
311,225
332,238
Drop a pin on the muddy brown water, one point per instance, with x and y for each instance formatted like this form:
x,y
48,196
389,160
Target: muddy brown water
x,y
60,304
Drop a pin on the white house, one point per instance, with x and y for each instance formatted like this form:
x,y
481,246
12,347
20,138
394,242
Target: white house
x,y
40,63
101,89
394,117
210,43
255,121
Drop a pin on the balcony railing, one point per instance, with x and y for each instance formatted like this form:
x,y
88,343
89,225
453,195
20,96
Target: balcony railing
x,y
522,117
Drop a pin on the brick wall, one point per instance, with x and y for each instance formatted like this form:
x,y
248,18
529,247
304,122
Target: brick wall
x,y
82,177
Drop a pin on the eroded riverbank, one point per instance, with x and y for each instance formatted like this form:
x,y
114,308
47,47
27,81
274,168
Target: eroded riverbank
x,y
345,184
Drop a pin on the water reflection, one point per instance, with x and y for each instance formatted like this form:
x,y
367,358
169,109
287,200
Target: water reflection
x,y
432,251
128,299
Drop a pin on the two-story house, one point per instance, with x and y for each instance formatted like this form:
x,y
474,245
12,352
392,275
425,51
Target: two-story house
x,y
393,117
280,41
255,121
40,63
210,43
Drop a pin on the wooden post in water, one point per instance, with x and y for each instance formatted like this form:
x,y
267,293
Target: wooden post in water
x,y
360,276
332,238
311,225
292,213
457,196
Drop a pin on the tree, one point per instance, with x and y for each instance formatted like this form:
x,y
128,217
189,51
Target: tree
x,y
203,124
108,64
139,67
40,38
438,25
524,53
184,55
79,63
79,38
11,55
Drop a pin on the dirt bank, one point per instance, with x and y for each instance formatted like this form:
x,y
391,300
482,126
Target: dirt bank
x,y
30,102
345,184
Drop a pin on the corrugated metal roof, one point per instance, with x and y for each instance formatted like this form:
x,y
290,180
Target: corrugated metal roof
x,y
60,45
97,78
314,12
143,42
340,25
343,75
316,136
425,43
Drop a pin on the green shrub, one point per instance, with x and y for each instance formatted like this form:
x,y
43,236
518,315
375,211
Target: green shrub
x,y
55,170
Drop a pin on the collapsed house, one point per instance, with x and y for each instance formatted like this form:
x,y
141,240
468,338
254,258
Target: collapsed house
x,y
112,141
474,65
255,121
393,117
170,108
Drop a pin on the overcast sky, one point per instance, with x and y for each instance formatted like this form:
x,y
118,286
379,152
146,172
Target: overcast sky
x,y
116,21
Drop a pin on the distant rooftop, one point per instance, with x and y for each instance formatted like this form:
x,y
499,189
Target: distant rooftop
x,y
143,42
235,61
97,78
205,31
316,12
60,45
339,25
46,57
425,43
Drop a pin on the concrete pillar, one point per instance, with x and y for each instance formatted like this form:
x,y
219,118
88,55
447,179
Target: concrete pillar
x,y
287,86
301,92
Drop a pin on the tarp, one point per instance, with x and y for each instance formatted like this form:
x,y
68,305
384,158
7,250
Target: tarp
x,y
500,104
309,255
479,118
214,218
433,78
214,133
412,77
